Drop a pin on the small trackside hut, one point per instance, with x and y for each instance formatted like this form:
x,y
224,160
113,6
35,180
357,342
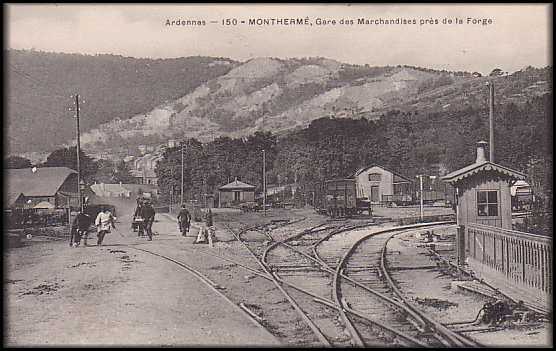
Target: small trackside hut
x,y
235,193
519,264
483,191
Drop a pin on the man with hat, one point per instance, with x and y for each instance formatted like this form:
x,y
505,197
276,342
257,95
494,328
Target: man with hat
x,y
80,227
148,214
184,220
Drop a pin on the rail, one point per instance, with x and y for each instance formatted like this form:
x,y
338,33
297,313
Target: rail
x,y
516,259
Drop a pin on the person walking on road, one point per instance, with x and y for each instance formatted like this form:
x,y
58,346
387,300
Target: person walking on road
x,y
148,214
184,220
207,232
80,228
137,223
103,222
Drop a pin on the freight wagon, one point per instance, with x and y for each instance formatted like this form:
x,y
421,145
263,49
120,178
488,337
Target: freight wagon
x,y
337,198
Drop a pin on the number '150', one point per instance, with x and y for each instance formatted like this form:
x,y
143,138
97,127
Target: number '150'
x,y
229,22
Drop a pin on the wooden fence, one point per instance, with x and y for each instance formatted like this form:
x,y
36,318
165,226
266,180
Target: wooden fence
x,y
516,262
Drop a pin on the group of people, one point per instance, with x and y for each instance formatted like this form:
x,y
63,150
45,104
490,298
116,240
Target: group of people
x,y
144,218
82,222
206,232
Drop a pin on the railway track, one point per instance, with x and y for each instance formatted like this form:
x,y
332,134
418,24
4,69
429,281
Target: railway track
x,y
342,301
309,272
208,282
373,291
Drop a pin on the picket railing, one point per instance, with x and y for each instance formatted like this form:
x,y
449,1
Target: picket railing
x,y
522,260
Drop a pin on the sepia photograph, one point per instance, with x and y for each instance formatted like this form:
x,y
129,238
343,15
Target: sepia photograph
x,y
278,175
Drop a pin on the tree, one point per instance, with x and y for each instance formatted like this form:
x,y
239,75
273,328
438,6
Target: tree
x,y
540,179
13,162
66,157
496,72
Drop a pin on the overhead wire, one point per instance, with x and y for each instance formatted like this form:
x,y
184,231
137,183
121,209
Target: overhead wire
x,y
37,109
38,82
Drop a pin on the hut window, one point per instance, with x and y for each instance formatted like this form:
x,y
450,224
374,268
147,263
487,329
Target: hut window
x,y
487,203
374,177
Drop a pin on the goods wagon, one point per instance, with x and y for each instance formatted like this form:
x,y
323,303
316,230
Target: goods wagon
x,y
338,198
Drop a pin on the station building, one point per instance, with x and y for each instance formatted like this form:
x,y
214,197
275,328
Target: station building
x,y
379,184
235,193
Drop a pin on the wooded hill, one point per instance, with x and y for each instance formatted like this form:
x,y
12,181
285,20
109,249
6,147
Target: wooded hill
x,y
40,86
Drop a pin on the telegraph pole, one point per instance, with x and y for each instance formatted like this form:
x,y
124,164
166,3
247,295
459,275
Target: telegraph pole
x,y
264,184
182,173
491,120
78,151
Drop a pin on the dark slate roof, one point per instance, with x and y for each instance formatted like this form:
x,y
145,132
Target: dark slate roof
x,y
237,185
44,182
359,171
460,174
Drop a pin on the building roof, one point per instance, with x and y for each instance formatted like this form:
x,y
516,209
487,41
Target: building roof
x,y
44,181
237,185
361,170
11,198
472,169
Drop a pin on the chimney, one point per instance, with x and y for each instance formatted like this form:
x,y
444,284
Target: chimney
x,y
481,145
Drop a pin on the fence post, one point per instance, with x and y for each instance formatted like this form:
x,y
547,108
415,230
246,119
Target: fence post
x,y
522,244
460,245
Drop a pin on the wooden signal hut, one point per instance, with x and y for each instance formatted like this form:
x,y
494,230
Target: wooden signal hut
x,y
483,191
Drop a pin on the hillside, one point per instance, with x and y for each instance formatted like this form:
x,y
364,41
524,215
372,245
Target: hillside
x,y
271,94
140,101
40,86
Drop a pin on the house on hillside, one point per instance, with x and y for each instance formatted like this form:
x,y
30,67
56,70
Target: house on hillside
x,y
381,185
235,193
46,187
143,168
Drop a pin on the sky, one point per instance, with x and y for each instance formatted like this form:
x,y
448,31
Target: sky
x,y
519,35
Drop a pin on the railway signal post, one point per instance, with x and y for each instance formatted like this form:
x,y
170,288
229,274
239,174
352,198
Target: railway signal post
x,y
420,176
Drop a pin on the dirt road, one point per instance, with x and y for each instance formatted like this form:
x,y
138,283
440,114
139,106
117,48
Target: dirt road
x,y
115,295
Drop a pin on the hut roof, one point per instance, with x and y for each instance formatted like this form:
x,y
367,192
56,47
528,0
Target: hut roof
x,y
237,185
472,169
